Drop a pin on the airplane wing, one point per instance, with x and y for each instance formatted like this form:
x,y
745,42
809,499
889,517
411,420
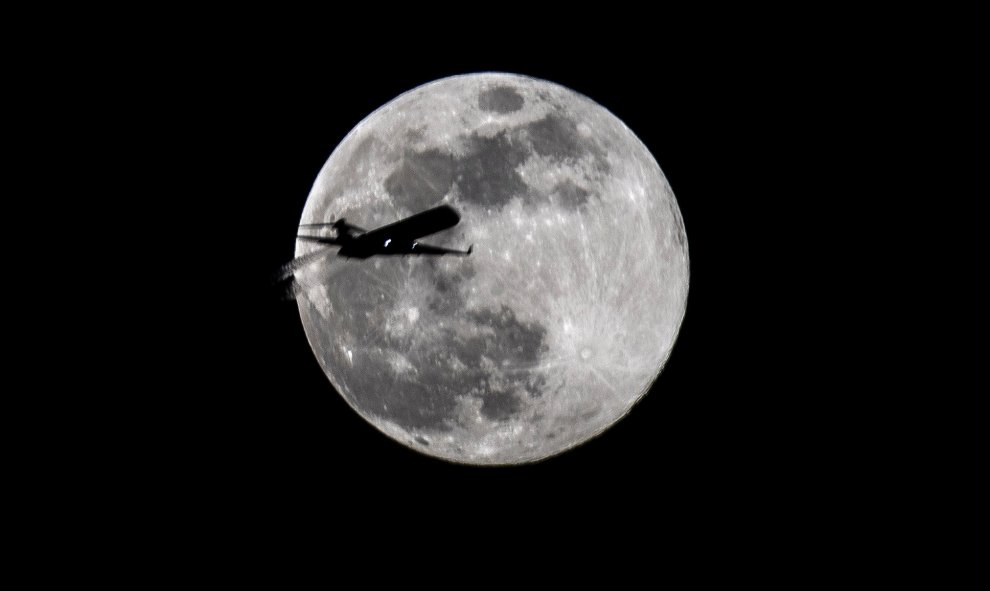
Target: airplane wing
x,y
320,239
419,248
330,224
416,226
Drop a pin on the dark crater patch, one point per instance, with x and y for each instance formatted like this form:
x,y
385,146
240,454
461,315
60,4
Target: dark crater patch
x,y
447,298
492,364
419,397
420,440
422,179
556,136
422,398
517,343
487,175
417,134
571,193
500,99
515,348
498,405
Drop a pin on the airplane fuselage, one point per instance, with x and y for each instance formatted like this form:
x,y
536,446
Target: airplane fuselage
x,y
362,249
399,238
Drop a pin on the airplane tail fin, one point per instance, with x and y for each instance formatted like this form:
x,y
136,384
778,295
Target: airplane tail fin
x,y
470,248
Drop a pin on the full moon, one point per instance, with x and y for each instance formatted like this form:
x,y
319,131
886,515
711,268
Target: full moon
x,y
561,318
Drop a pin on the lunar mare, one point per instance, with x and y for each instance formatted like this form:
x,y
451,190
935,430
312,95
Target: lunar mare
x,y
566,311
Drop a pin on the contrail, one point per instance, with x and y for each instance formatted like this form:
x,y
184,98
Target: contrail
x,y
299,279
289,269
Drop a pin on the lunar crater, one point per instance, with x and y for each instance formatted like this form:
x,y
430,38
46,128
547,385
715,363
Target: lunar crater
x,y
487,175
500,99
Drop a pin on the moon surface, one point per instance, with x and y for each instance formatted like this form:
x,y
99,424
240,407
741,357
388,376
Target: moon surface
x,y
560,320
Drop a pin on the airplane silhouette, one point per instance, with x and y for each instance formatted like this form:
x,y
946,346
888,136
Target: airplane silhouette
x,y
399,238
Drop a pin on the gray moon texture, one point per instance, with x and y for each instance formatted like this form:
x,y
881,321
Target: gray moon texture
x,y
561,319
